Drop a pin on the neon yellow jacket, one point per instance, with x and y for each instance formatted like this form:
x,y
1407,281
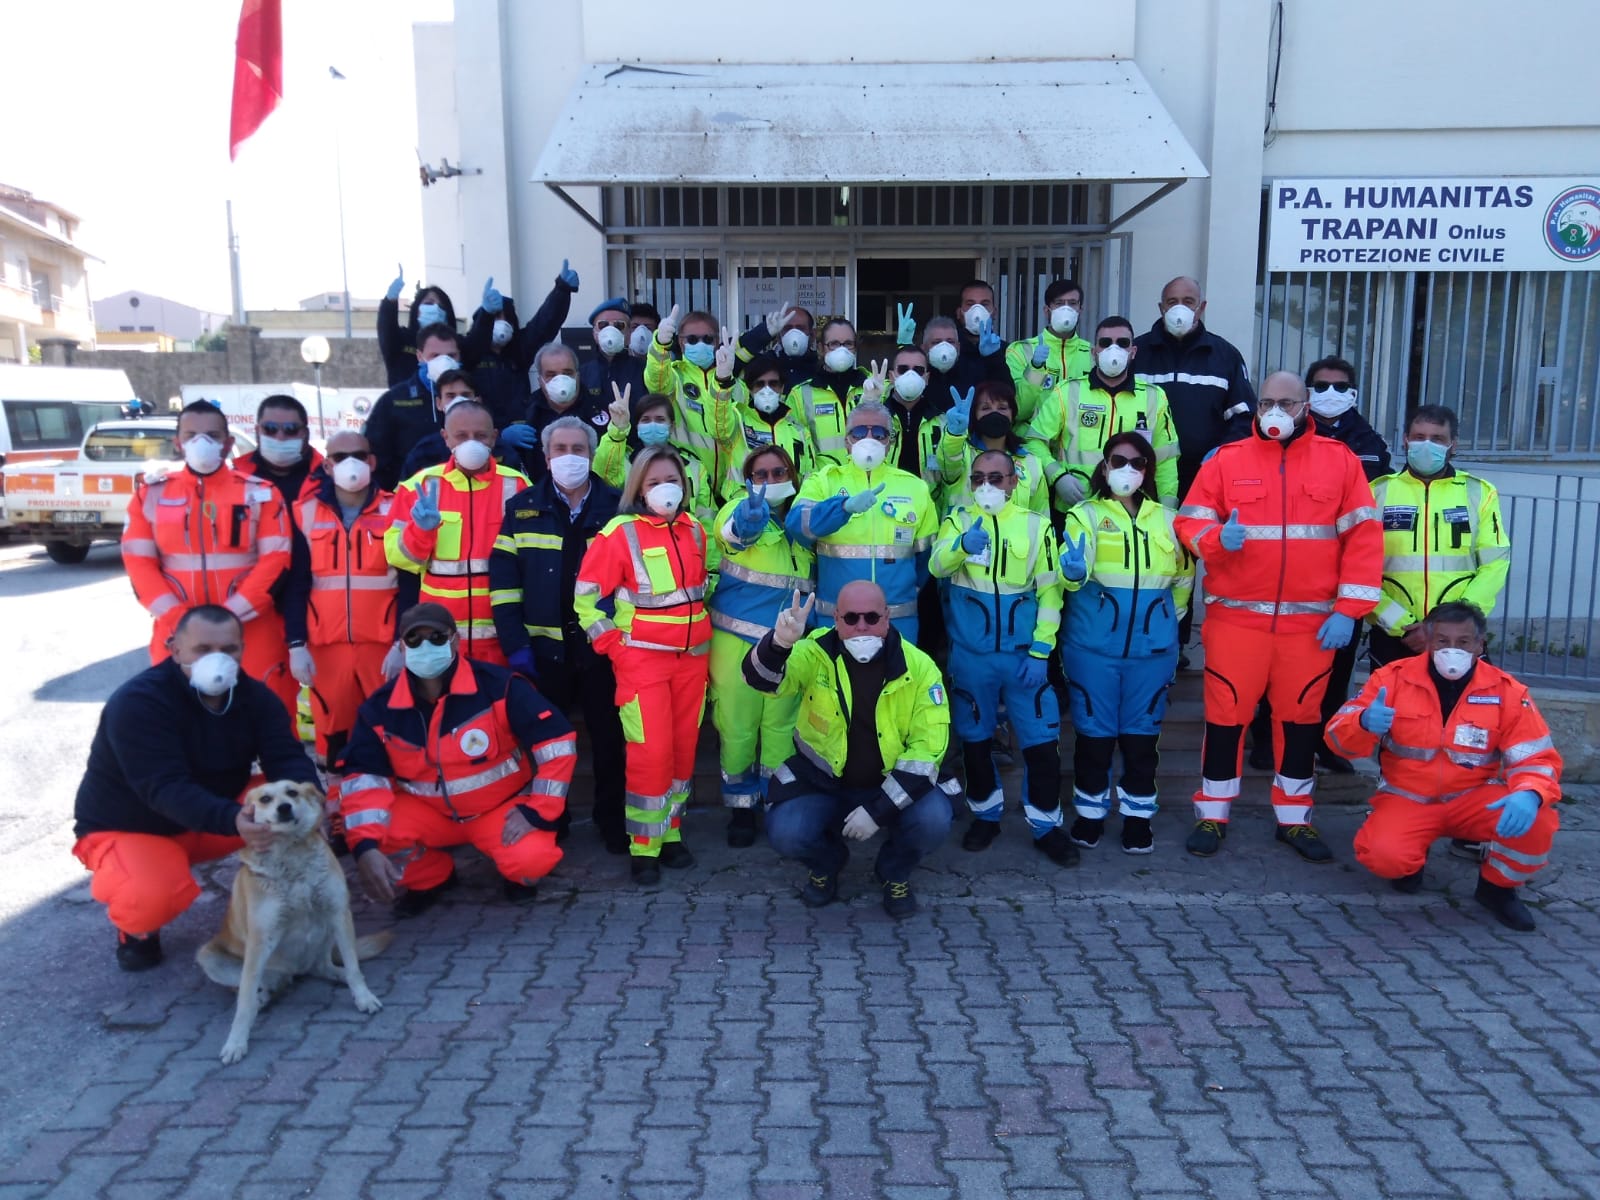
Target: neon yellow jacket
x,y
1008,598
956,456
1075,420
1070,358
704,422
1139,583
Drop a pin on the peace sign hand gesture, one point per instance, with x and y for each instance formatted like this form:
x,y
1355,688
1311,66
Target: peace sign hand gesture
x,y
620,408
792,621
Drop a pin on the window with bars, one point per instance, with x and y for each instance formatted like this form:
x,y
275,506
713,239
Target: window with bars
x,y
953,206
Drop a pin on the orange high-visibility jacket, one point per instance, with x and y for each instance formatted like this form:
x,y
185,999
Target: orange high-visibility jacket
x,y
656,571
353,585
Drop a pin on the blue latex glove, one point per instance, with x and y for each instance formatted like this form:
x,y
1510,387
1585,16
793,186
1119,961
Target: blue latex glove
x,y
1379,717
568,276
1336,631
399,282
1041,353
751,516
959,417
861,501
1032,672
988,340
1210,454
1517,811
425,512
1233,533
975,540
908,325
1075,559
493,301
520,436
522,662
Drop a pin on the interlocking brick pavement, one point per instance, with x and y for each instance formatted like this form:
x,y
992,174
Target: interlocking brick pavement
x,y
1152,1027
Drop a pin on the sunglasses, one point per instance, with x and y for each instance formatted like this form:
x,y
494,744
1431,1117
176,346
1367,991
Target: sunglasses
x,y
416,637
285,429
879,432
623,325
1103,343
1122,460
998,478
869,619
1323,385
344,454
696,339
902,368
775,384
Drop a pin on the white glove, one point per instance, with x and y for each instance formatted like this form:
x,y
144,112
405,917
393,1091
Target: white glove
x,y
393,662
790,626
1069,489
859,826
777,320
302,666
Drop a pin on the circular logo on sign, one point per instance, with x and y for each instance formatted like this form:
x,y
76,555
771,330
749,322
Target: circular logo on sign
x,y
474,742
1572,224
362,406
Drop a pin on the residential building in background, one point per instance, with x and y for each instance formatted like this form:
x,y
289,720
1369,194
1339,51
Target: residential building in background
x,y
322,313
44,280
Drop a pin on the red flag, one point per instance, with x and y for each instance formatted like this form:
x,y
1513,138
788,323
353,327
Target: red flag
x,y
257,69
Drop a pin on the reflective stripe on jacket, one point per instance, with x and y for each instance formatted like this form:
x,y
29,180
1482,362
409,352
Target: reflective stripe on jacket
x,y
756,580
655,570
1009,597
1139,582
353,585
1076,419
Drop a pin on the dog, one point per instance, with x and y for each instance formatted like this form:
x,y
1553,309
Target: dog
x,y
289,914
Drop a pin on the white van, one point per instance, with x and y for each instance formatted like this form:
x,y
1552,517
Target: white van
x,y
45,411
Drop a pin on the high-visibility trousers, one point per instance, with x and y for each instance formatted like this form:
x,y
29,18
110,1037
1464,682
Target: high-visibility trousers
x,y
1394,840
419,834
750,725
144,879
266,655
347,673
661,695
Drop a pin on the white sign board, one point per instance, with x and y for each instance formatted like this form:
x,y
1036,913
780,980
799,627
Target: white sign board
x,y
817,294
1462,224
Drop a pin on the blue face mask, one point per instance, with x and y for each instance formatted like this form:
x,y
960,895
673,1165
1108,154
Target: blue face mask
x,y
654,434
1426,458
701,354
430,314
427,661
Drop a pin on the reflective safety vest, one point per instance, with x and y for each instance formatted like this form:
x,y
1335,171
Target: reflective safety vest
x,y
1008,598
190,539
787,432
824,417
956,456
353,585
1443,539
453,559
655,570
1070,358
758,579
704,421
1139,582
613,458
1075,420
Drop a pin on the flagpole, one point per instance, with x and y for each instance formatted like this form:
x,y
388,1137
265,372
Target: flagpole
x,y
233,269
338,173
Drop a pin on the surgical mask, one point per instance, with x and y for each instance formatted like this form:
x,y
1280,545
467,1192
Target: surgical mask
x,y
213,674
989,498
1179,319
1277,424
795,342
864,648
430,314
352,475
868,453
664,498
942,355
1063,319
993,425
439,365
611,340
502,334
1424,458
427,661
840,359
203,454
767,400
282,452
1112,361
639,340
654,433
1331,404
974,319
910,386
1452,663
560,389
777,493
569,470
701,354
472,456
1124,481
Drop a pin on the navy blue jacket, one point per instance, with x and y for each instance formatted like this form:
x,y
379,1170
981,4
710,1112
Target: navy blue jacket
x,y
596,375
400,418
500,376
1365,442
399,346
1207,385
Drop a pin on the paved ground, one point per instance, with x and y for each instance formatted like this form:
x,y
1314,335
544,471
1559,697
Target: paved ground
x,y
1136,1027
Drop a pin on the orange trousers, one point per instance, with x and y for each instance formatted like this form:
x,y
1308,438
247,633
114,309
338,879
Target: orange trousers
x,y
661,695
266,655
347,673
143,879
419,833
1394,840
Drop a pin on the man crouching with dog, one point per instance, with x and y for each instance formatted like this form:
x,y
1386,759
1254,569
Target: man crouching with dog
x,y
453,752
169,761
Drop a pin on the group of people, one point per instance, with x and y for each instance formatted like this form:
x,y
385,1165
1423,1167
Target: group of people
x,y
849,561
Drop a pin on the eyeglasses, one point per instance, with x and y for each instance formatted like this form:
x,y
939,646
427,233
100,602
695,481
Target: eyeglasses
x,y
764,475
1267,404
902,368
1323,385
434,636
695,339
1122,460
344,454
281,429
870,619
836,345
998,478
880,432
1105,342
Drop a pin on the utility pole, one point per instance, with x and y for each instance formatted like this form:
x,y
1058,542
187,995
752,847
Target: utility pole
x,y
233,267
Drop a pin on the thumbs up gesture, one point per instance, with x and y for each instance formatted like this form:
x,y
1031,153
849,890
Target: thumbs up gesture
x,y
668,328
976,539
864,499
425,512
1041,353
1232,533
792,621
1075,559
1379,717
958,418
493,301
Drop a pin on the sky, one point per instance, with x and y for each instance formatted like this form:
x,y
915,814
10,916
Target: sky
x,y
125,123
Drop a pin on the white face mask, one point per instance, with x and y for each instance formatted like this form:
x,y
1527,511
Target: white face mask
x,y
767,400
1112,361
1124,481
560,390
664,498
1063,319
795,342
611,340
864,648
1331,404
1452,663
213,674
868,453
974,319
203,454
1179,319
438,366
282,452
501,335
1277,424
910,386
777,493
840,359
472,456
352,475
989,498
569,470
639,340
942,355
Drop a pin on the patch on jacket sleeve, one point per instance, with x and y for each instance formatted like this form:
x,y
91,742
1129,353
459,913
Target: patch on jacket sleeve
x,y
936,694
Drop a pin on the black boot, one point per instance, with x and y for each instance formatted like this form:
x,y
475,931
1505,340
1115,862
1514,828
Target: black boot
x,y
138,953
419,900
1410,884
646,871
1058,848
742,828
979,834
1505,904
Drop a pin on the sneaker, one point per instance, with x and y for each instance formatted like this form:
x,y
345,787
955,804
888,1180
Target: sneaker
x,y
979,834
675,856
138,953
1504,903
1471,851
646,871
742,828
419,900
1305,841
1086,831
1206,838
819,890
1410,884
1136,836
898,899
519,893
1058,847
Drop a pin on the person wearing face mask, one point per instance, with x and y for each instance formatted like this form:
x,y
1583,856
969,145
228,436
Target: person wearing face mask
x,y
457,385
986,420
612,364
823,401
558,393
950,366
444,521
704,389
453,752
533,577
642,321
872,728
490,350
1075,418
637,423
786,336
409,411
867,519
171,757
761,567
1058,354
1287,528
1464,754
1121,554
649,565
919,418
982,349
1005,611
768,420
401,348
284,456
211,534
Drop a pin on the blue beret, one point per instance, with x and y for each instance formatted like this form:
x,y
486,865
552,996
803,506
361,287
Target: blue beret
x,y
616,302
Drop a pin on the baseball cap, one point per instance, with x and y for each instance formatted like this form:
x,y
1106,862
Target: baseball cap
x,y
426,616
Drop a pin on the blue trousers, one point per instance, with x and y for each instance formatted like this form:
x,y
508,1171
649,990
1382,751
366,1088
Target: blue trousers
x,y
1110,696
978,684
807,827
